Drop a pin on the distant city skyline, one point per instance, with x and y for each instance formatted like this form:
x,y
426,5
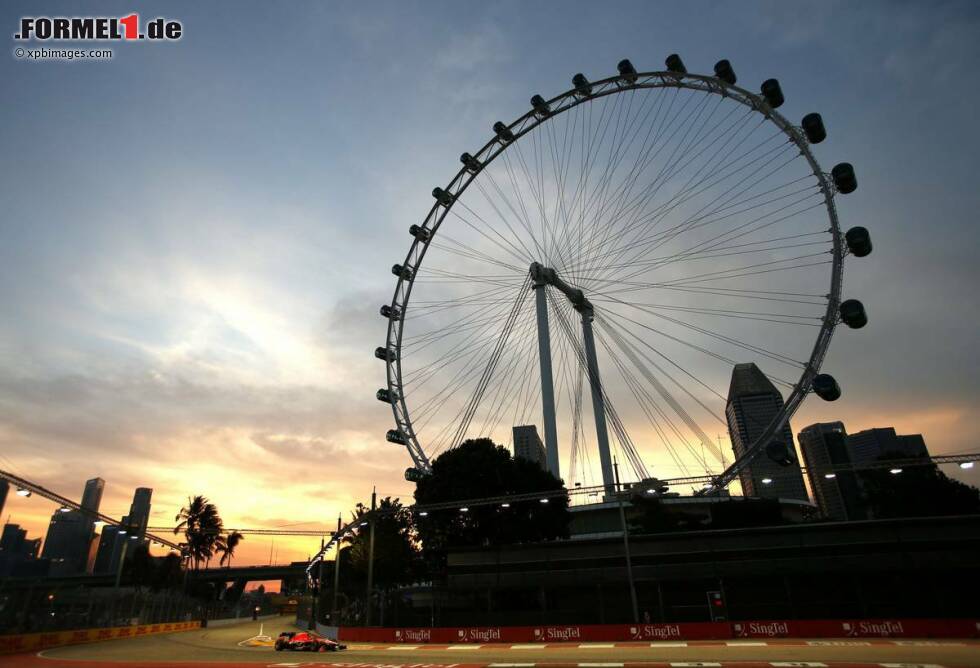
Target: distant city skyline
x,y
198,235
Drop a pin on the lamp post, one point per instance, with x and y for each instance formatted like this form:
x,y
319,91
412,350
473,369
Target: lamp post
x,y
626,546
336,575
370,573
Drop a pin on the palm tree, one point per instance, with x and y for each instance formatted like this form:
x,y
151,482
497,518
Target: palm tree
x,y
228,549
202,527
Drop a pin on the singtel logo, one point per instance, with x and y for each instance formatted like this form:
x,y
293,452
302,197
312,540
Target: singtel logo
x,y
484,635
414,635
659,631
886,628
770,629
559,633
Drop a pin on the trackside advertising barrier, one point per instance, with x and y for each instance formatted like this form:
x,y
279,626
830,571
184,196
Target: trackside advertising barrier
x,y
865,628
33,642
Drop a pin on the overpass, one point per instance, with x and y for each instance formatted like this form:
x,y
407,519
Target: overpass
x,y
240,575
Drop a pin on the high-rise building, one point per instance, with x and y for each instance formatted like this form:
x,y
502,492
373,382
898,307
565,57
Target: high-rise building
x,y
753,402
104,553
118,543
18,551
70,532
4,489
528,445
92,496
871,445
836,490
139,511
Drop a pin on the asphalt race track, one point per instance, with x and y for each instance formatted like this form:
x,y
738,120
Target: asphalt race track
x,y
219,648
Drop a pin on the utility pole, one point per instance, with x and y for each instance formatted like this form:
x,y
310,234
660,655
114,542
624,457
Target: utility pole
x,y
626,547
370,578
336,575
317,586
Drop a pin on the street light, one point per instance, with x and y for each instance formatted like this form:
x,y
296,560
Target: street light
x,y
544,500
829,476
505,505
895,471
424,513
966,465
767,481
23,492
464,509
64,509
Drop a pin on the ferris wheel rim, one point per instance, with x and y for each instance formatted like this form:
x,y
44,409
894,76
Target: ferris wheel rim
x,y
558,105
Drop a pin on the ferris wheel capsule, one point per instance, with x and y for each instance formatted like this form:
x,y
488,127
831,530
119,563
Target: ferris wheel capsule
x,y
472,164
858,241
396,436
844,178
724,71
675,64
385,354
540,107
401,272
627,71
503,132
386,396
813,128
390,313
442,196
852,314
773,92
826,387
582,85
419,232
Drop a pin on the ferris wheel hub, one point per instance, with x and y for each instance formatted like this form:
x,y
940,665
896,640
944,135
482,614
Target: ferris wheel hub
x,y
543,276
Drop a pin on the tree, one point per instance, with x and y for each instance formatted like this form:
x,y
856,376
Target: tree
x,y
202,527
479,468
918,491
228,549
396,552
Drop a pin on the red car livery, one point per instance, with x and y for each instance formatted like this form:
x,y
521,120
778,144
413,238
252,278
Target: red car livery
x,y
306,641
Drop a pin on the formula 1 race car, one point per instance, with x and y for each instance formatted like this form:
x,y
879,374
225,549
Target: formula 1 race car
x,y
306,641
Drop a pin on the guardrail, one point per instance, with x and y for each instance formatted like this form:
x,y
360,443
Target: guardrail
x,y
861,628
33,642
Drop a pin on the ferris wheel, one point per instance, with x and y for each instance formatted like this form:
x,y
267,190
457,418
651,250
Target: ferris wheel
x,y
600,265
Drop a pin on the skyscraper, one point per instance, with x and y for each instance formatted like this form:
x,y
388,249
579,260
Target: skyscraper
x,y
139,511
70,532
92,496
528,445
871,444
836,490
753,402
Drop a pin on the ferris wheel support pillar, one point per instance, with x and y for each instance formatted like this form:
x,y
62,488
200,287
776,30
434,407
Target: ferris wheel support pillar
x,y
598,403
547,382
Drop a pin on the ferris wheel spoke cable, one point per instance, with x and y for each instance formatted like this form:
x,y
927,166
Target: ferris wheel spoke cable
x,y
491,364
629,209
641,221
665,171
636,357
625,442
664,236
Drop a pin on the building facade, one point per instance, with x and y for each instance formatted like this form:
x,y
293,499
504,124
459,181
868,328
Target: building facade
x,y
870,445
528,445
753,402
837,491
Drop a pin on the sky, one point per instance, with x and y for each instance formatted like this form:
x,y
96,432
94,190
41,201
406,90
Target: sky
x,y
196,236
